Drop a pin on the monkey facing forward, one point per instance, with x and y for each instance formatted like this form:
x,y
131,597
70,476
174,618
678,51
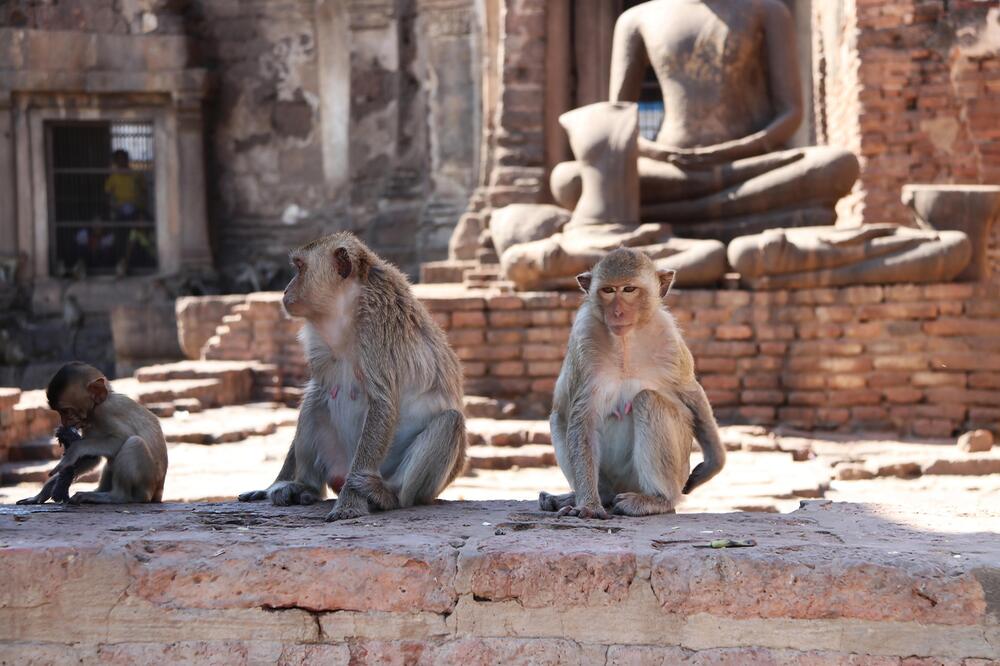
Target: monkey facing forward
x,y
381,419
114,427
627,405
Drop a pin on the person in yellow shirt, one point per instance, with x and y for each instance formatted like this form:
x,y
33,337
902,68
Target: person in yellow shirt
x,y
126,190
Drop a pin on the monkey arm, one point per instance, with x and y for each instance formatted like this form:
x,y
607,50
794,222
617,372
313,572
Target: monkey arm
x,y
706,432
106,447
583,462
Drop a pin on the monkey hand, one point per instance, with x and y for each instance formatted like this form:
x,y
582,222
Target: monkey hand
x,y
67,436
37,499
349,505
587,510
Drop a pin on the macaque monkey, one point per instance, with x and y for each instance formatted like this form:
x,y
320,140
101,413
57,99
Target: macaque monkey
x,y
381,419
627,405
114,427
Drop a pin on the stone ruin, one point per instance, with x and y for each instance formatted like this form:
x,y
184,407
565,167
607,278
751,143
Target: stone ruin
x,y
885,318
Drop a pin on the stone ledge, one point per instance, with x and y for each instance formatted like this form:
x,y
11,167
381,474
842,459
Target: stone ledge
x,y
174,581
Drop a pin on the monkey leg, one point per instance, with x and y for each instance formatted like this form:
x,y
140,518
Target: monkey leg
x,y
432,461
96,497
661,452
133,475
301,479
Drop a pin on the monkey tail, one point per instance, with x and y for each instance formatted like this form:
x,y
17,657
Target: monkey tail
x,y
706,432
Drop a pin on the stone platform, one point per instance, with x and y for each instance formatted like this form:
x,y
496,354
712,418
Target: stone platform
x,y
495,582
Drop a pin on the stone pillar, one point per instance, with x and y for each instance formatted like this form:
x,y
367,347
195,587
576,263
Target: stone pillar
x,y
333,35
8,201
194,249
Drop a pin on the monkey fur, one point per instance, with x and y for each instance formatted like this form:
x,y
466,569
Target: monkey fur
x,y
381,419
114,427
627,405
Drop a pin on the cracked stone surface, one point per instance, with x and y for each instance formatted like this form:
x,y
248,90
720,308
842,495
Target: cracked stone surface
x,y
496,580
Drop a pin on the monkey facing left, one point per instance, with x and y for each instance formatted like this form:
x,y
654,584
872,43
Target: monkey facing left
x,y
113,427
381,419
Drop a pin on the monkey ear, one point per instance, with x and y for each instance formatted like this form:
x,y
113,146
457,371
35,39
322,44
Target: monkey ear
x,y
666,277
98,389
583,279
342,260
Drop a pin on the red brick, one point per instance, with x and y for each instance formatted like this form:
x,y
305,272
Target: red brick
x,y
814,296
720,382
762,397
815,398
507,336
862,295
903,395
544,368
869,415
512,318
543,386
505,302
541,352
713,316
773,348
473,368
846,381
834,313
757,415
949,292
733,332
722,397
804,381
898,311
932,428
705,364
846,364
984,380
832,417
725,348
816,330
912,362
727,298
854,397
965,361
759,363
775,332
465,336
471,319
761,381
939,379
865,331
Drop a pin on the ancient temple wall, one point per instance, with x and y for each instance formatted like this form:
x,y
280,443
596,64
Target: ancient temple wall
x,y
914,88
919,360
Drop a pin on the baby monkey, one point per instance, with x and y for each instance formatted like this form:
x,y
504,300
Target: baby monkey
x,y
627,405
113,427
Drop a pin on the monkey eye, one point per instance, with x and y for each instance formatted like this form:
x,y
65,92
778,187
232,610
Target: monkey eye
x,y
608,290
629,289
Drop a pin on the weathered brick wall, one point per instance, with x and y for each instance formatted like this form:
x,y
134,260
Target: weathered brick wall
x,y
23,417
913,86
914,359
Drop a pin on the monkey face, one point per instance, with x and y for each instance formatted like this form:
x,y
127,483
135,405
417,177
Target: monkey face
x,y
321,270
622,304
78,400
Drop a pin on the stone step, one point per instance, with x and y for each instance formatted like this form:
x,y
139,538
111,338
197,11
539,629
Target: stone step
x,y
496,582
508,457
40,448
507,432
228,424
209,392
489,408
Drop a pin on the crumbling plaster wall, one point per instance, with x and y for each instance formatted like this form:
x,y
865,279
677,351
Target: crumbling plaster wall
x,y
284,164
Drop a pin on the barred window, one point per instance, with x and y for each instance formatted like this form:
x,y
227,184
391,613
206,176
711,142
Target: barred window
x,y
101,197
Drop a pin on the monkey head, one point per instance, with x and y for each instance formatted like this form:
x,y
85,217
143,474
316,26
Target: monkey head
x,y
75,391
322,268
625,288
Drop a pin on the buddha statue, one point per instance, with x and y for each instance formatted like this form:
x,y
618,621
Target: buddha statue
x,y
716,171
732,100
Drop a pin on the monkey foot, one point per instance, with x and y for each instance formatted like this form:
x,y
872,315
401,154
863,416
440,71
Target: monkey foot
x,y
637,504
584,511
549,502
346,513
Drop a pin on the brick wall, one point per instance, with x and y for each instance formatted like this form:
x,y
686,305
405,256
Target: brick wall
x,y
912,86
913,359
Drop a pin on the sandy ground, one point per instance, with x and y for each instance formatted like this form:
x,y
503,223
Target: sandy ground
x,y
751,481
